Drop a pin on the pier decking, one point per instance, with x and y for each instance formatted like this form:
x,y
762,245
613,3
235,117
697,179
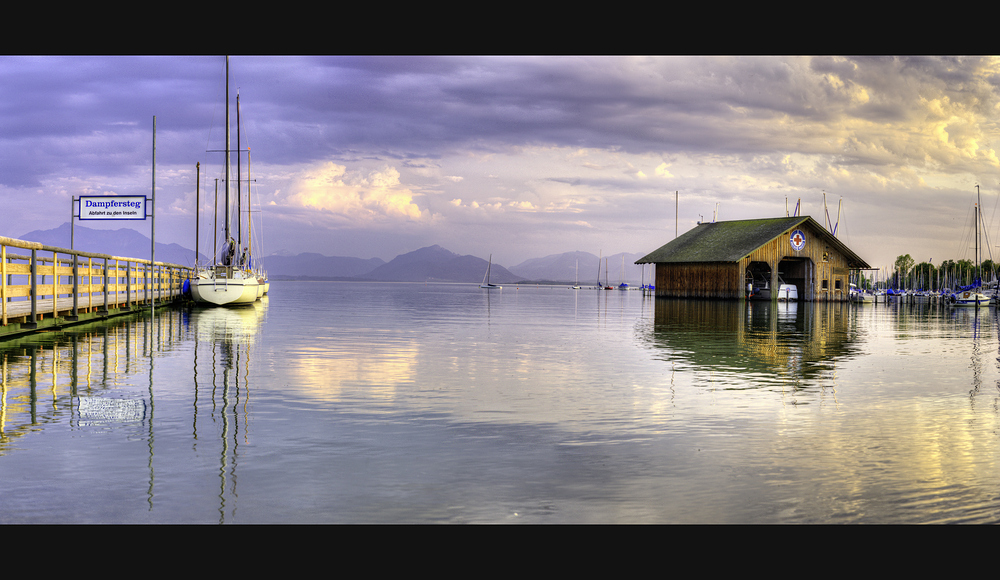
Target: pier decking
x,y
40,290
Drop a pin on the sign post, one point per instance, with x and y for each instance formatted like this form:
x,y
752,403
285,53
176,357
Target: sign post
x,y
120,207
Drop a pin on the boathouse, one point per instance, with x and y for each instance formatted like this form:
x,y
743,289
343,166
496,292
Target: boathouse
x,y
752,259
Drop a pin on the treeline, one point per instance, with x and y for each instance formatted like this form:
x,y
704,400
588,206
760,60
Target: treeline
x,y
927,276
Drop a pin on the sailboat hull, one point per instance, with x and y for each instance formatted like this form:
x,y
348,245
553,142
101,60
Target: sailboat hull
x,y
220,287
970,299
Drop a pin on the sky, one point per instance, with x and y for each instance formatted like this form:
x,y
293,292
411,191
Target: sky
x,y
514,157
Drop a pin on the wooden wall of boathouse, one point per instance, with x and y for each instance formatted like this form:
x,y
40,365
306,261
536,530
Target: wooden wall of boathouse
x,y
699,280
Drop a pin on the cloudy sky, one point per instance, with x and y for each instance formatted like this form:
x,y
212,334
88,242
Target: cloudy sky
x,y
519,157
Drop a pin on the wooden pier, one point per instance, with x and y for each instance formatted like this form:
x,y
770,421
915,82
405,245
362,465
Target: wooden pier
x,y
45,288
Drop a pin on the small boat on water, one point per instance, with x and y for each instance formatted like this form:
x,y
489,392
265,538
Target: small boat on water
x,y
860,296
486,279
970,297
788,293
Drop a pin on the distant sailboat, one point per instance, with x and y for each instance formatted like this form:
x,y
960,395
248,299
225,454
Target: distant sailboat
x,y
972,295
623,285
486,279
599,268
576,285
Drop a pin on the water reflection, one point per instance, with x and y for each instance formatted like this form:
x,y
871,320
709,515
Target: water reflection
x,y
413,403
753,344
85,374
99,379
222,376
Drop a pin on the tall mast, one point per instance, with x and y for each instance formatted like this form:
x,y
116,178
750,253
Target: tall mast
x,y
249,206
599,252
227,150
239,179
978,201
840,206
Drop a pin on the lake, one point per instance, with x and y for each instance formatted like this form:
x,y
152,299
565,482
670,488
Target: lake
x,y
337,402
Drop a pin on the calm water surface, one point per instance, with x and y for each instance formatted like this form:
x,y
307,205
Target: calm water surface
x,y
348,402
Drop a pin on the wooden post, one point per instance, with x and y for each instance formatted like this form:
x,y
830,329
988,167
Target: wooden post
x,y
90,284
34,287
774,281
55,284
3,283
104,278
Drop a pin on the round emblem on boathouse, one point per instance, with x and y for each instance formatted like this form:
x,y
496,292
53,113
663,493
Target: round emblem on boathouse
x,y
798,240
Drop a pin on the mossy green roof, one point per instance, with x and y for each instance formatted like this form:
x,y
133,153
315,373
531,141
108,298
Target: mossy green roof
x,y
732,241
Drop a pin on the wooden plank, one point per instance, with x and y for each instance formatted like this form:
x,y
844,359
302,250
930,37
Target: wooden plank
x,y
19,269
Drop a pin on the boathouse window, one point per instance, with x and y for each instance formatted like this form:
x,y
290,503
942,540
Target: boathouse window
x,y
836,285
826,284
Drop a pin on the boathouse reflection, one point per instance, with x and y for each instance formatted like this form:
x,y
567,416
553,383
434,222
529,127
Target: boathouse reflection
x,y
772,341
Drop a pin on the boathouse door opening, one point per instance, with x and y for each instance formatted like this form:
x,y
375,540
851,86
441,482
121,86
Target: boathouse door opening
x,y
758,281
801,272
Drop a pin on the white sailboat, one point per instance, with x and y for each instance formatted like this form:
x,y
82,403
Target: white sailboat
x,y
576,285
623,285
972,295
486,279
226,282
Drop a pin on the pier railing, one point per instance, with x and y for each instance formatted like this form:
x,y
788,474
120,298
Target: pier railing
x,y
44,285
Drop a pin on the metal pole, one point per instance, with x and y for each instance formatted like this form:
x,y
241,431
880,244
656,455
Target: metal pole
x,y
76,262
76,287
239,180
197,211
215,226
152,251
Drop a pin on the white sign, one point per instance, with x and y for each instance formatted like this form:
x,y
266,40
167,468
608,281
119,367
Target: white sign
x,y
113,207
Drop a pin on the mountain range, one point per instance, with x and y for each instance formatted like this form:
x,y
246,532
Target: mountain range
x,y
430,264
123,242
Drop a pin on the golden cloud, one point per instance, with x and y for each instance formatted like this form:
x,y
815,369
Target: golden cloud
x,y
377,195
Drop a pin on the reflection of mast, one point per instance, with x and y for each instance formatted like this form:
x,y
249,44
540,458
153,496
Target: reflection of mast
x,y
231,333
